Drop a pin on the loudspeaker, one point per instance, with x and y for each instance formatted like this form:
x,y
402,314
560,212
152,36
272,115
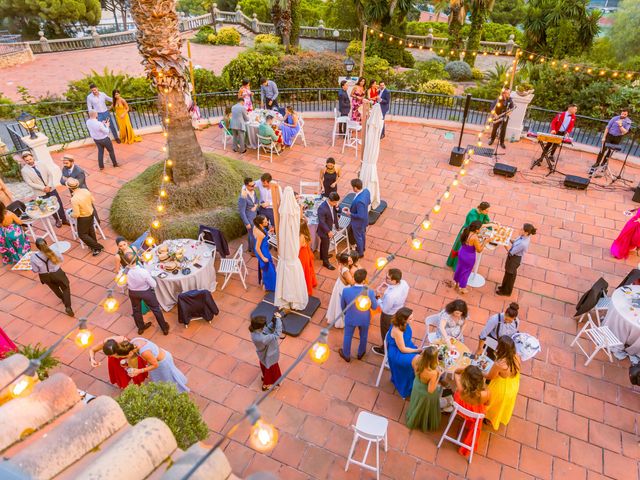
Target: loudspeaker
x,y
504,170
636,194
457,156
573,181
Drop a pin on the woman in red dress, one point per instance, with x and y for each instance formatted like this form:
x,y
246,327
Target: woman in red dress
x,y
306,258
372,93
472,394
629,237
118,366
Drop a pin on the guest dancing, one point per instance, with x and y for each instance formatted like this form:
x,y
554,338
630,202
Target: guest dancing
x,y
629,237
401,351
424,408
290,126
266,267
357,99
479,214
514,258
505,383
117,365
471,394
306,258
345,279
616,129
265,337
471,244
13,242
329,176
48,265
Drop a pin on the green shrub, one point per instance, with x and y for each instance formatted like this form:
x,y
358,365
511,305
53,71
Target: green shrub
x,y
162,400
459,71
228,36
202,36
440,29
107,81
477,74
377,68
392,52
442,87
308,70
353,49
35,351
266,38
251,65
421,73
206,81
7,108
9,168
259,7
272,49
491,32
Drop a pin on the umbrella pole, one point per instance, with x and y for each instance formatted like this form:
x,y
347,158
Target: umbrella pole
x,y
275,197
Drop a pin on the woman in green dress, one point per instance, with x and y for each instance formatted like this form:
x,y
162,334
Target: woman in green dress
x,y
424,408
481,214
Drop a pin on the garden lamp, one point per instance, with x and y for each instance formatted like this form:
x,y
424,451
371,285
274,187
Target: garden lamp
x,y
336,34
28,121
349,64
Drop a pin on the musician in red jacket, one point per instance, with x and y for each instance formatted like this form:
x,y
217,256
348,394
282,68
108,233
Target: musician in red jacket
x,y
562,124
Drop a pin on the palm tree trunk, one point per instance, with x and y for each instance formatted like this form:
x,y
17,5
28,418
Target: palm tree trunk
x,y
159,43
455,27
479,17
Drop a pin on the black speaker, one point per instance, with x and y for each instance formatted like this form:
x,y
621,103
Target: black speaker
x,y
457,156
636,194
504,170
573,181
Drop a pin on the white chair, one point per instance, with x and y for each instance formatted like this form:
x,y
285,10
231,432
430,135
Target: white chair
x,y
229,266
601,336
267,147
430,321
459,409
384,364
74,228
314,186
300,133
603,305
212,246
226,137
351,139
273,240
337,121
340,235
373,429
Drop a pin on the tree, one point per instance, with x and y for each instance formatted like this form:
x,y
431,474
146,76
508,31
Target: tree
x,y
480,11
560,29
457,14
508,11
117,7
159,43
625,34
259,7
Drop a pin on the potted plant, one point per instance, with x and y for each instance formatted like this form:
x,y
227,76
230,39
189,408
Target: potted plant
x,y
36,351
523,89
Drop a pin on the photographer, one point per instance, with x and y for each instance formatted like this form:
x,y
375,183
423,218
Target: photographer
x,y
265,336
99,132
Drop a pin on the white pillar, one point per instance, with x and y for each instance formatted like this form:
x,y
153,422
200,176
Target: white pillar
x,y
41,154
516,119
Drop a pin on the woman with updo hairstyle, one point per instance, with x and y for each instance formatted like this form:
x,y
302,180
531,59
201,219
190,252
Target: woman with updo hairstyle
x,y
505,383
158,362
471,246
401,350
505,323
424,408
472,394
345,279
120,357
479,214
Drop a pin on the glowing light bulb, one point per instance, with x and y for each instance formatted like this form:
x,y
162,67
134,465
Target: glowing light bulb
x,y
150,240
121,279
416,243
264,436
84,338
420,47
455,182
147,256
463,172
363,303
164,149
479,144
399,42
565,66
110,304
426,224
166,178
484,54
452,52
166,120
319,352
615,74
169,104
471,151
629,75
166,90
462,54
160,208
22,386
441,50
155,224
531,56
436,208
380,35
466,161
602,72
410,45
371,31
163,193
165,134
447,193
474,53
381,262
542,60
577,69
169,163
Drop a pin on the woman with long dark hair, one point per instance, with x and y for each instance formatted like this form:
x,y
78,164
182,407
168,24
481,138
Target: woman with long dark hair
x,y
471,244
266,267
357,99
291,125
424,408
505,383
345,279
471,394
246,94
121,110
48,265
306,258
265,337
119,364
479,214
401,350
451,322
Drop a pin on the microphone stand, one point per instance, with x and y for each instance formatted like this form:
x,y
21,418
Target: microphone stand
x,y
500,117
624,163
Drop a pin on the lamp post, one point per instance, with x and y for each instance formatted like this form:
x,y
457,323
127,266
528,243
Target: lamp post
x,y
348,65
336,34
28,122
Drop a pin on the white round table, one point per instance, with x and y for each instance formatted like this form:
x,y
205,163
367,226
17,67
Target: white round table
x,y
36,214
172,285
623,318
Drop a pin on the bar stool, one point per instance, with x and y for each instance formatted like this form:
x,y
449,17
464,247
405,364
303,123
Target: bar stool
x,y
351,139
373,429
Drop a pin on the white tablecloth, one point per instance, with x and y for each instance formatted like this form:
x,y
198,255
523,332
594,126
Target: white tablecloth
x,y
624,319
172,285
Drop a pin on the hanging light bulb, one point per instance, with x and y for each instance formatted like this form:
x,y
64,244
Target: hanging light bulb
x,y
147,256
166,90
615,74
381,262
416,243
121,279
484,54
169,163
447,193
156,224
319,352
264,436
437,207
531,56
363,303
166,120
479,144
542,60
166,178
399,42
455,182
426,224
160,208
371,31
474,53
420,47
150,241
577,69
84,337
380,35
165,134
602,72
110,304
163,193
164,148
462,54
169,105
463,172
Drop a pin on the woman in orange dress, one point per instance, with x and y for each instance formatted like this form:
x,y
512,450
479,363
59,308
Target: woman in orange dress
x,y
372,93
472,394
306,258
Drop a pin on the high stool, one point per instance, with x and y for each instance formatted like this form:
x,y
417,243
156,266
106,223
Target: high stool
x,y
351,139
371,428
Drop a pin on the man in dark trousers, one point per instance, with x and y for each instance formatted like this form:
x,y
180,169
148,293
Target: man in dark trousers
x,y
359,213
344,105
562,124
83,211
502,108
384,98
141,286
516,251
327,225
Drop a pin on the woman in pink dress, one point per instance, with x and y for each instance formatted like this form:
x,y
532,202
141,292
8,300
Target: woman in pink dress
x,y
629,237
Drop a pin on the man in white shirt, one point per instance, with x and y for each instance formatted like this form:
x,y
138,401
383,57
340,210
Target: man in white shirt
x,y
99,132
266,201
97,101
141,286
392,294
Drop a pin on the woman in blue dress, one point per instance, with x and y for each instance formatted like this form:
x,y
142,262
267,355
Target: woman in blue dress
x,y
400,351
290,127
266,267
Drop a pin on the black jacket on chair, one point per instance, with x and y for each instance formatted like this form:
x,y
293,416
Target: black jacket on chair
x,y
216,236
194,304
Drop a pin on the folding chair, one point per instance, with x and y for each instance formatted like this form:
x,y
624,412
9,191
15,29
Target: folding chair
x,y
602,337
340,235
592,300
229,266
314,186
384,364
465,414
430,321
267,147
300,133
337,121
226,136
373,429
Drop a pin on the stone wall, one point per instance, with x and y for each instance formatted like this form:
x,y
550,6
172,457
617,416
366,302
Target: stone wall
x,y
16,58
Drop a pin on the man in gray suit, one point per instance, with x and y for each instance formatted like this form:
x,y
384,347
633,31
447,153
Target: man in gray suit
x,y
239,118
247,206
71,170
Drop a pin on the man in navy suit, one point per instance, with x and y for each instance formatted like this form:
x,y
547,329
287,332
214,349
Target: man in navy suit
x,y
355,318
247,206
384,98
327,224
344,104
359,213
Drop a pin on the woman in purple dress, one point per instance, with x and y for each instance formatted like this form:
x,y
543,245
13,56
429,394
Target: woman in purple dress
x,y
467,255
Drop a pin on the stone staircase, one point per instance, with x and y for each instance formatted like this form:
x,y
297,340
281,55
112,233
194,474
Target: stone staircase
x,y
52,434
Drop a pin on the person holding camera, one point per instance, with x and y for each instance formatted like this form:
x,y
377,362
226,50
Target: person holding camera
x,y
99,132
265,336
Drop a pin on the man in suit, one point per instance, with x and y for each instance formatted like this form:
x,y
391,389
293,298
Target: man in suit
x,y
359,213
247,207
41,180
384,98
239,118
355,318
344,104
71,170
327,224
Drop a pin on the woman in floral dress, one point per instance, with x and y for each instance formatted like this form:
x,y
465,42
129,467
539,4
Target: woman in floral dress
x,y
13,242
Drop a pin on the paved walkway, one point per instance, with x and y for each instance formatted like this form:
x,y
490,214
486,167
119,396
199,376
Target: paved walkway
x,y
570,421
50,73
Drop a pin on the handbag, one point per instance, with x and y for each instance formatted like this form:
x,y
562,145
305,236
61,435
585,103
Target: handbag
x,y
454,253
634,374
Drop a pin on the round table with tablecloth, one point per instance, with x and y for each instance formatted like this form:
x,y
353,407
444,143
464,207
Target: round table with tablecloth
x,y
256,117
623,317
170,285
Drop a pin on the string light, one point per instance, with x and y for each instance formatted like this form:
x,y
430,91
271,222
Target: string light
x,y
319,352
264,436
416,243
150,241
363,302
426,224
163,193
381,262
121,279
447,193
23,385
166,178
84,337
160,208
463,172
156,224
437,207
147,256
110,304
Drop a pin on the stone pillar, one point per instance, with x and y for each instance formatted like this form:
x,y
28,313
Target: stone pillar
x,y
96,38
510,44
429,41
44,42
238,14
41,154
516,119
254,23
321,29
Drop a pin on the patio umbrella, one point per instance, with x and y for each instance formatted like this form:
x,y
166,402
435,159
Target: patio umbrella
x,y
369,168
291,288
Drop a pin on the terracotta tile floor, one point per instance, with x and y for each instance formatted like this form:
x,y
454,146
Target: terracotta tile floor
x,y
570,422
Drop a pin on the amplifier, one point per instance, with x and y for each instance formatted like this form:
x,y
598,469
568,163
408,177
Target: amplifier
x,y
504,170
573,181
457,156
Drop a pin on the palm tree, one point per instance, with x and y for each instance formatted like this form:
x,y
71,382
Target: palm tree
x,y
285,15
457,14
480,11
159,43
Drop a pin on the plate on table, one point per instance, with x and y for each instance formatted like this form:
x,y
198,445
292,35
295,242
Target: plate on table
x,y
526,345
207,254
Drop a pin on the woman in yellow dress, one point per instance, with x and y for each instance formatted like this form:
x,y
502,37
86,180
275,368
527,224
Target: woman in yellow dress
x,y
505,383
121,107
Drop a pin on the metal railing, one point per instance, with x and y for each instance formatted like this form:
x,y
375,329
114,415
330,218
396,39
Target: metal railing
x,y
11,48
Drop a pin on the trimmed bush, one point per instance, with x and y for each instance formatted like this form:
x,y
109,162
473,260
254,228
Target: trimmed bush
x,y
251,65
162,400
272,49
206,81
437,86
228,36
477,74
422,73
378,68
309,70
459,71
203,34
266,38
